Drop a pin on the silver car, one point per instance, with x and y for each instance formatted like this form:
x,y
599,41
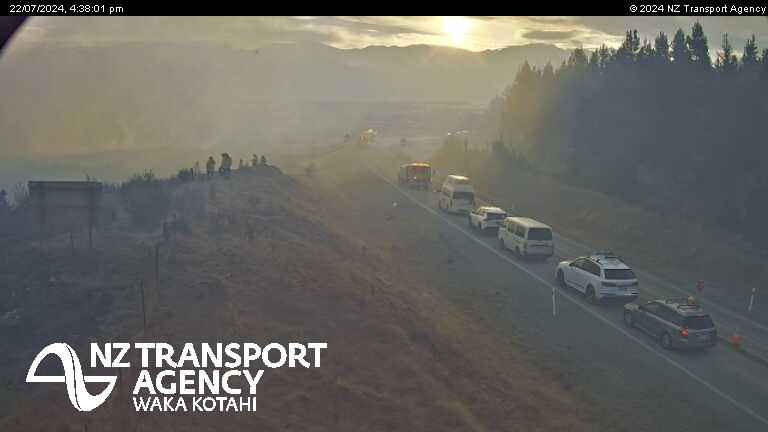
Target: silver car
x,y
676,323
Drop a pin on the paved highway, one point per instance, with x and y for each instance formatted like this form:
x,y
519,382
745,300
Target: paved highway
x,y
622,371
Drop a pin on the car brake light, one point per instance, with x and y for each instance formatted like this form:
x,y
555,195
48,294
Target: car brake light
x,y
684,332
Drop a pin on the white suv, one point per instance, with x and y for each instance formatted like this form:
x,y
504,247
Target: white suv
x,y
484,218
600,276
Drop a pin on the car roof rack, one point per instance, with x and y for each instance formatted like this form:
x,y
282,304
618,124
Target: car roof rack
x,y
605,255
683,303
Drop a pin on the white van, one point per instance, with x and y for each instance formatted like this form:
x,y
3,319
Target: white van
x,y
526,237
456,195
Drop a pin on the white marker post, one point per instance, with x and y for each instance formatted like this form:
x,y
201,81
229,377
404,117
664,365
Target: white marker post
x,y
554,305
752,300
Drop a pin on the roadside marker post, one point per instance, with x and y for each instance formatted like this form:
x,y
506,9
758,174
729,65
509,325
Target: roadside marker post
x,y
752,300
554,304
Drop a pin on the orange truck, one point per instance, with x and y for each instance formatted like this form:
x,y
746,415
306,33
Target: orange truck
x,y
417,175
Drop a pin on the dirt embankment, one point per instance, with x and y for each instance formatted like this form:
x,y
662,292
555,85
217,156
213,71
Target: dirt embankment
x,y
252,260
668,244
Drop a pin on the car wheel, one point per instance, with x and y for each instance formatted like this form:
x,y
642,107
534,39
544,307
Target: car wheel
x,y
666,341
628,320
561,278
591,297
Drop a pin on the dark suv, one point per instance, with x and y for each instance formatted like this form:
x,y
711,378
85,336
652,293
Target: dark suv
x,y
677,323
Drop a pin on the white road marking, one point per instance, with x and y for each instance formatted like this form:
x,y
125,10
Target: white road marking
x,y
577,303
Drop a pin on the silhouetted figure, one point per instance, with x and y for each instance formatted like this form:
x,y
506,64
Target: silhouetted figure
x,y
210,166
263,160
226,164
255,160
241,165
196,169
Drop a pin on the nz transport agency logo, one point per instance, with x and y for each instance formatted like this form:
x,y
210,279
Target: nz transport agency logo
x,y
204,377
73,377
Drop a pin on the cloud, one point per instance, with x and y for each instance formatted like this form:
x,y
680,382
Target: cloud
x,y
549,35
487,32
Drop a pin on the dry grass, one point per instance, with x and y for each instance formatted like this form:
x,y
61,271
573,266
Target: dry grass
x,y
399,357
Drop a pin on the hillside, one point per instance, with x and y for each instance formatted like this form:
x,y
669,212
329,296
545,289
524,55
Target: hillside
x,y
399,357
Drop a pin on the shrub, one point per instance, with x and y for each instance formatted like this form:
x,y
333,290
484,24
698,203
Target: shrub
x,y
145,199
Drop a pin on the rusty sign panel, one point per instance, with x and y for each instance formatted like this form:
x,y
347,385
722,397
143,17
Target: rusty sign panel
x,y
65,205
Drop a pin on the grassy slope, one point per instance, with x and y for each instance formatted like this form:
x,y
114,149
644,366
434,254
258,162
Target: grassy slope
x,y
399,357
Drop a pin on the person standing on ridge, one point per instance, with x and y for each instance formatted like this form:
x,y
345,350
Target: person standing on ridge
x,y
210,166
226,164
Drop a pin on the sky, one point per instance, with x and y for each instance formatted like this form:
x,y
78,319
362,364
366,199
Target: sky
x,y
470,32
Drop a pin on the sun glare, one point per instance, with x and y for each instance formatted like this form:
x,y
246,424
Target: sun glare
x,y
456,28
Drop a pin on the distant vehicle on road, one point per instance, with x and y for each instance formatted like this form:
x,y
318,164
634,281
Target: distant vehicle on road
x,y
416,175
484,218
676,323
600,276
526,237
456,195
366,138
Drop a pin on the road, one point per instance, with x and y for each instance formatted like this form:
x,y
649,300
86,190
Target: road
x,y
730,313
622,371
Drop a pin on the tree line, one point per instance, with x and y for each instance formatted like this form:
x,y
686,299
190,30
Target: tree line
x,y
659,123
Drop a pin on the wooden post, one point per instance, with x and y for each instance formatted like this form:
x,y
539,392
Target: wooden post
x,y
157,268
143,305
91,210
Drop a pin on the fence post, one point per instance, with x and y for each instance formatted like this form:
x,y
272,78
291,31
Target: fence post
x,y
157,268
143,305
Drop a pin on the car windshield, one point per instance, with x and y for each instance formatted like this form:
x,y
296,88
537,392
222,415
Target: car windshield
x,y
469,196
495,216
619,274
539,234
699,322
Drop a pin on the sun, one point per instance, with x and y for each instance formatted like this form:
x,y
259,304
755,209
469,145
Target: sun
x,y
456,28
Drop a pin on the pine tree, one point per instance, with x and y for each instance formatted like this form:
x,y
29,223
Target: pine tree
x,y
726,59
697,44
661,46
646,53
525,76
578,58
764,62
549,72
680,52
605,55
628,49
749,59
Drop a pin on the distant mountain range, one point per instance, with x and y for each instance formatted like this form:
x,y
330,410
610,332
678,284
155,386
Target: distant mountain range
x,y
130,97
